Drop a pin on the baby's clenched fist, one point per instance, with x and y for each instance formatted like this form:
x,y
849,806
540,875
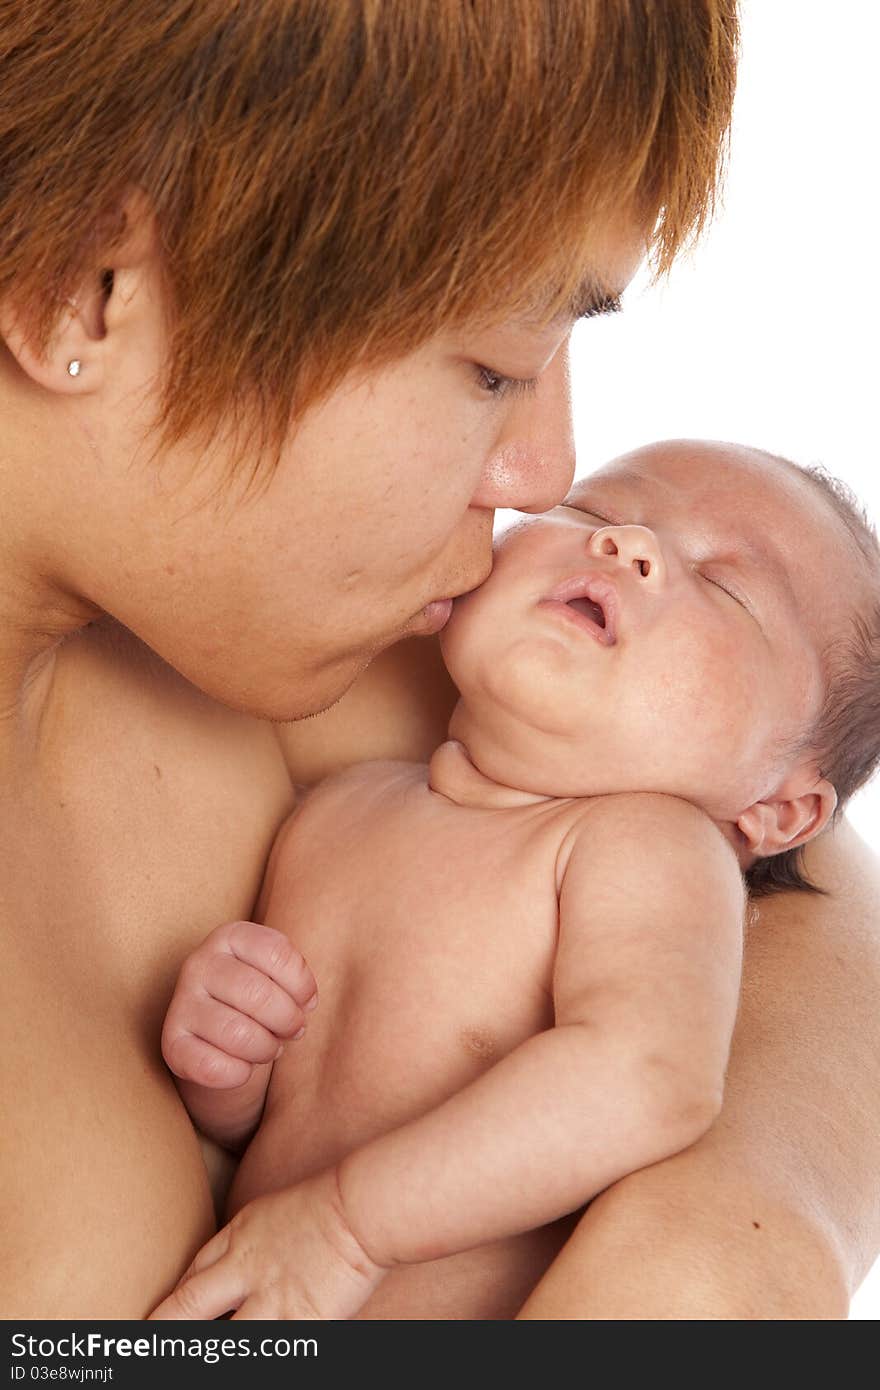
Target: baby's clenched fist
x,y
238,999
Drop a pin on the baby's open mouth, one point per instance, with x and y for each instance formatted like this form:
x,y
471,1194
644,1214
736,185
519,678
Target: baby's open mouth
x,y
591,601
589,608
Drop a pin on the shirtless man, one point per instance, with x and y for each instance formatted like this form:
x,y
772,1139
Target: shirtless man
x,y
529,991
181,563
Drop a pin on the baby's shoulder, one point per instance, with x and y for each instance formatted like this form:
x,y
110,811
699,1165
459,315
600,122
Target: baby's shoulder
x,y
361,788
369,778
345,807
609,830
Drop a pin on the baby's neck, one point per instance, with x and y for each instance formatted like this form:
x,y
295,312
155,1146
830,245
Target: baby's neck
x,y
506,760
474,767
485,763
451,773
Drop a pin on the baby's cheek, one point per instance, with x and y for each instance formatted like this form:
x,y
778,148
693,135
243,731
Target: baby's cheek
x,y
722,684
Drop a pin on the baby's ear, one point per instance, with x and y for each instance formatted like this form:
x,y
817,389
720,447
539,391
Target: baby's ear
x,y
795,813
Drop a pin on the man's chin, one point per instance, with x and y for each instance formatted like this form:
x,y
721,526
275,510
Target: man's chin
x,y
311,693
311,706
319,692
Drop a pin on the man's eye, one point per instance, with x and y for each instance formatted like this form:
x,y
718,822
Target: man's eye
x,y
499,386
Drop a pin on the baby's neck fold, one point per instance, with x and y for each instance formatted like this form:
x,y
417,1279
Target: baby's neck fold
x,y
455,772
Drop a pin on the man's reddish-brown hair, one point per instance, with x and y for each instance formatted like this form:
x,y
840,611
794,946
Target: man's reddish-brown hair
x,y
335,180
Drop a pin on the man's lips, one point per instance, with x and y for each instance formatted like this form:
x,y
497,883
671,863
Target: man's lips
x,y
435,616
591,602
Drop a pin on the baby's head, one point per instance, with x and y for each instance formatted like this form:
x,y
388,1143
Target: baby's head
x,y
698,619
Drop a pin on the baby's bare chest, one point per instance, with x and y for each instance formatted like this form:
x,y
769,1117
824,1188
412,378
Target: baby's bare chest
x,y
432,931
419,899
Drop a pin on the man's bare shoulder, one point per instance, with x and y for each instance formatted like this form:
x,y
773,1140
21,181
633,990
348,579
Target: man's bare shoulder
x,y
121,731
106,671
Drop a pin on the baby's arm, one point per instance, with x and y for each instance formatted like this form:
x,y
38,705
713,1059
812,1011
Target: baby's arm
x,y
646,988
238,998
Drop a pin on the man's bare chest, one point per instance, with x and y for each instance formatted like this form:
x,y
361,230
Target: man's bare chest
x,y
144,820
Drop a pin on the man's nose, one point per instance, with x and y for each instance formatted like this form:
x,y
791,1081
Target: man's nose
x,y
636,548
532,467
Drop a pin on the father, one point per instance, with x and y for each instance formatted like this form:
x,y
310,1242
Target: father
x,y
285,294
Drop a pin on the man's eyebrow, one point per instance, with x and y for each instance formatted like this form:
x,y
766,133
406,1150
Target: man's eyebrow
x,y
590,300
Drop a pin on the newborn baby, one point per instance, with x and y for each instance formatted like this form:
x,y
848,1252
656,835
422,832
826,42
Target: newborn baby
x,y
529,951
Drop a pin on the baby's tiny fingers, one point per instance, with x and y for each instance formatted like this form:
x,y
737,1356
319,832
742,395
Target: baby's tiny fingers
x,y
194,1059
231,1031
252,992
270,951
204,1296
212,1251
256,1308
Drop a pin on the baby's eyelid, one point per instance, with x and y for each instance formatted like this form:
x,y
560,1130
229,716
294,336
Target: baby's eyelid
x,y
596,516
737,598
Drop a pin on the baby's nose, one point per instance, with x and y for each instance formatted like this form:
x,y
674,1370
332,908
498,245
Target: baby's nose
x,y
636,547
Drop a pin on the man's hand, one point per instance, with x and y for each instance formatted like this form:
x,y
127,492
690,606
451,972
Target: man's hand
x,y
289,1255
238,999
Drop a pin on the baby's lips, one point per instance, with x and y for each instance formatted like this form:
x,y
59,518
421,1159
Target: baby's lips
x,y
598,589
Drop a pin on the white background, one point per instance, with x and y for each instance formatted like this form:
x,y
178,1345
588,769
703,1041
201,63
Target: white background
x,y
768,333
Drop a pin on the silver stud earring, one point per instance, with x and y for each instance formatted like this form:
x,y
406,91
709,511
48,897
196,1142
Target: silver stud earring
x,y
74,368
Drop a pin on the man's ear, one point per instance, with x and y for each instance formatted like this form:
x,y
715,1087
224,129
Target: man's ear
x,y
797,811
68,364
73,360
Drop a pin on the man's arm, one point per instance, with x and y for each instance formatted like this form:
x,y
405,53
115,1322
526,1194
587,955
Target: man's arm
x,y
774,1213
